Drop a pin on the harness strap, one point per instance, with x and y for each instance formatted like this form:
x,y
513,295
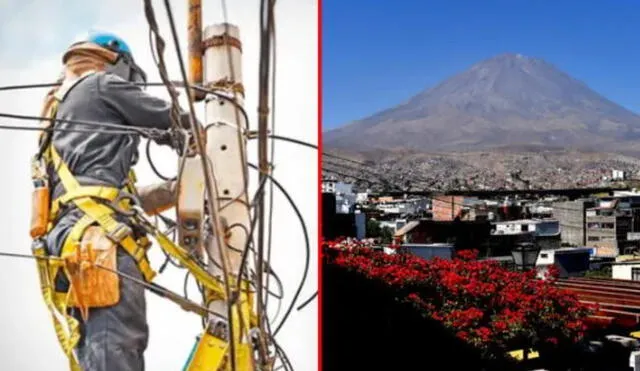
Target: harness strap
x,y
66,327
101,192
116,231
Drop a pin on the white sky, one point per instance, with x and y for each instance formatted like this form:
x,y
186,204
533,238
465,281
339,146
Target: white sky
x,y
33,34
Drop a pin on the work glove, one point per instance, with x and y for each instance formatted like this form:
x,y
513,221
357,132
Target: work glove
x,y
172,138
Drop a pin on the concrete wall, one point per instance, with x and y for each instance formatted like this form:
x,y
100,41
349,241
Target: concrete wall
x,y
445,208
570,215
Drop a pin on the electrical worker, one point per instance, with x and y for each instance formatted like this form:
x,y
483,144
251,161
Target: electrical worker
x,y
102,83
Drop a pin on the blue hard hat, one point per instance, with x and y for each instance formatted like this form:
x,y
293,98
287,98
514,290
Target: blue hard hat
x,y
109,41
124,66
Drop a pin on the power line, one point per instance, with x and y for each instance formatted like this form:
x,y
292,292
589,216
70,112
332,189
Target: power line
x,y
68,130
147,132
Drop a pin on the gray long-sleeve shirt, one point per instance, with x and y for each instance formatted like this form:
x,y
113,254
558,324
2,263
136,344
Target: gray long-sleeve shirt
x,y
101,158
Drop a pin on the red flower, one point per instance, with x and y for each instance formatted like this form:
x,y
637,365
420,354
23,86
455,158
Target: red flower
x,y
500,325
467,254
484,333
462,335
480,301
552,340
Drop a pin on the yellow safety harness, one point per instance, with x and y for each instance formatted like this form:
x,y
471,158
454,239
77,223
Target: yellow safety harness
x,y
87,199
93,201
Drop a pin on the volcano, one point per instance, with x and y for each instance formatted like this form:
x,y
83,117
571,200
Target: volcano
x,y
509,100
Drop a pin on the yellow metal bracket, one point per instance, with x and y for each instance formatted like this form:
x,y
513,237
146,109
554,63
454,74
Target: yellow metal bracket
x,y
211,354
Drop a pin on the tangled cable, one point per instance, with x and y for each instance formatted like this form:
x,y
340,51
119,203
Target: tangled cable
x,y
262,265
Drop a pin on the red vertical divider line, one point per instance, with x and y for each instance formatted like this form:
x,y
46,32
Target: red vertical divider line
x,y
319,193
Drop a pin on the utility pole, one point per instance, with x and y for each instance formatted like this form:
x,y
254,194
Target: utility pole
x,y
215,61
226,144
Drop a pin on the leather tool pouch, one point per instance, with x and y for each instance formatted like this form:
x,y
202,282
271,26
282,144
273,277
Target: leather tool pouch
x,y
93,286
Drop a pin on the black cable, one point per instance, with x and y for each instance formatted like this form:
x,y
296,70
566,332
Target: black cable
x,y
167,258
184,287
292,140
281,288
269,292
306,302
153,166
307,247
153,287
245,253
278,281
51,129
179,84
264,74
29,86
146,132
160,62
272,159
244,229
283,356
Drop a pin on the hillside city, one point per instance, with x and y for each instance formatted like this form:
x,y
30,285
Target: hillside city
x,y
485,171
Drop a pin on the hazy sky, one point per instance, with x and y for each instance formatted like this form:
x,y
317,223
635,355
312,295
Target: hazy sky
x,y
377,54
33,35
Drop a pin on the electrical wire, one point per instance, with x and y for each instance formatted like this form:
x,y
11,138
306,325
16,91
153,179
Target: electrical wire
x,y
306,302
264,75
69,130
153,166
307,248
128,132
283,357
292,140
214,92
131,131
154,288
158,58
272,156
210,183
146,132
184,286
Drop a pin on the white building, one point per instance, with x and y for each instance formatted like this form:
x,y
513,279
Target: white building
x,y
362,197
618,175
394,225
345,198
410,206
539,227
626,270
570,260
329,185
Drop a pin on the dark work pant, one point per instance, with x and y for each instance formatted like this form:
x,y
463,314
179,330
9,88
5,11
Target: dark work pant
x,y
115,338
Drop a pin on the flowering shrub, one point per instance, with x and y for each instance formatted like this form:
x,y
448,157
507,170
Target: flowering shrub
x,y
484,304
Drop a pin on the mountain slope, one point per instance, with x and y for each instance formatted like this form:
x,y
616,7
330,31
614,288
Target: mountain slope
x,y
508,100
